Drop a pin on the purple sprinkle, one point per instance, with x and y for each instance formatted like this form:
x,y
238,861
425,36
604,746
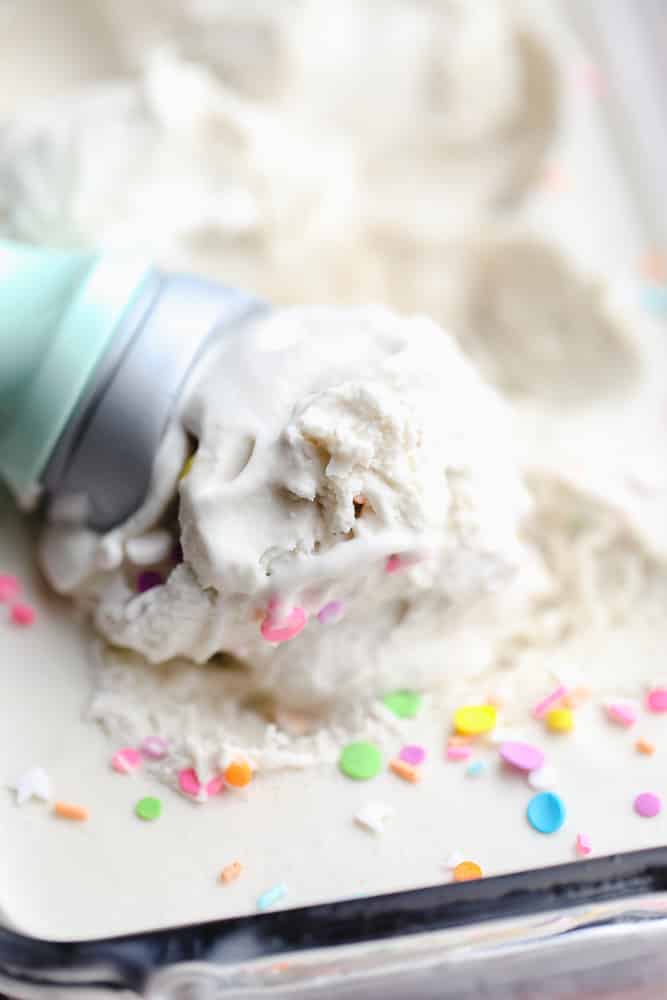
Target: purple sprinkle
x,y
647,804
412,754
330,612
154,747
147,580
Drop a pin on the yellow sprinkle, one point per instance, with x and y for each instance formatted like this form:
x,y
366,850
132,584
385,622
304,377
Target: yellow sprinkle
x,y
473,720
560,720
187,465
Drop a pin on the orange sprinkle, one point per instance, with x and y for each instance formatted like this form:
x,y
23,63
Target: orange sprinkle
x,y
645,746
459,741
405,770
576,697
654,266
231,872
238,774
68,810
467,871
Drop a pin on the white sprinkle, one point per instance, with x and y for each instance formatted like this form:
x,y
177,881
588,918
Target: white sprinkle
x,y
543,777
35,783
149,549
374,815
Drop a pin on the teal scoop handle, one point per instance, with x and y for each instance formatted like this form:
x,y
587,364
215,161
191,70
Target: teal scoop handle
x,y
94,349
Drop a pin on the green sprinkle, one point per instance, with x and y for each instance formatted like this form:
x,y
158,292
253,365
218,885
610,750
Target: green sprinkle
x,y
148,808
404,704
360,761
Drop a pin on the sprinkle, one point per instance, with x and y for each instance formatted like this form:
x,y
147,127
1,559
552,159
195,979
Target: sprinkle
x,y
405,771
148,808
583,845
374,815
22,614
459,741
647,804
645,747
543,777
394,564
576,697
68,810
230,873
271,897
473,720
412,754
546,812
551,700
475,768
331,612
190,785
283,628
404,704
154,747
34,784
147,580
238,774
10,588
126,760
560,720
656,700
187,466
653,266
149,549
454,859
623,713
360,761
523,756
466,871
457,753
654,299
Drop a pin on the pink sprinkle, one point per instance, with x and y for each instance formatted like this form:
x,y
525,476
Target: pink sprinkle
x,y
190,785
9,587
624,713
154,747
330,612
656,700
458,752
22,614
393,564
550,701
523,756
647,804
275,628
583,845
412,754
126,760
147,580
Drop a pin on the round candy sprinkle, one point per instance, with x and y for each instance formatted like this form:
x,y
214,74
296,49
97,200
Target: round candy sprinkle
x,y
126,760
9,587
473,720
22,614
404,704
278,627
412,754
147,580
583,845
546,812
523,756
656,700
330,613
560,720
647,804
467,871
360,761
190,785
238,774
148,808
154,747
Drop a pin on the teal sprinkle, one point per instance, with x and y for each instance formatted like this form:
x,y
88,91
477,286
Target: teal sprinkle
x,y
475,768
654,299
271,897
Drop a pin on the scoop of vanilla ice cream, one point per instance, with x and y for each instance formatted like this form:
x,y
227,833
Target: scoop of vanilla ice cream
x,y
352,479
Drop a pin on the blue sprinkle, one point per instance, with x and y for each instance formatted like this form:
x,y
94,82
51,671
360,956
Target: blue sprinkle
x,y
546,812
271,896
475,768
654,299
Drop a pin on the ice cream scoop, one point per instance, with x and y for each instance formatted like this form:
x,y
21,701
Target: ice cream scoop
x,y
94,350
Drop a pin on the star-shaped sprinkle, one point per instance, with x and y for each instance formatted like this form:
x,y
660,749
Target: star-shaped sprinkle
x,y
34,784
